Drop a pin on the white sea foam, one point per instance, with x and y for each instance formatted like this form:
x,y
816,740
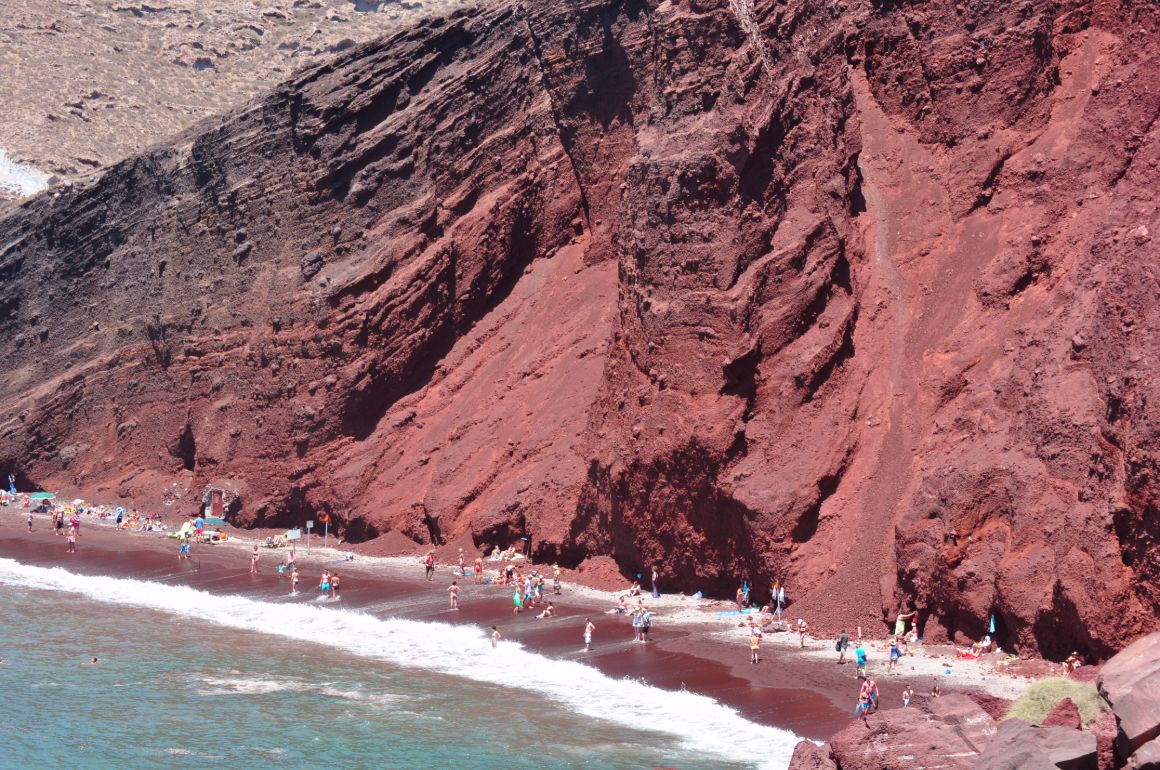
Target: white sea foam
x,y
20,180
699,722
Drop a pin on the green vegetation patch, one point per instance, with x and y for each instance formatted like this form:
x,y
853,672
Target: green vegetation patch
x,y
1045,694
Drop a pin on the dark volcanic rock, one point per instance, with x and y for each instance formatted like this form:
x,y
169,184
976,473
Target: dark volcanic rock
x,y
1020,746
858,295
953,736
808,755
1130,682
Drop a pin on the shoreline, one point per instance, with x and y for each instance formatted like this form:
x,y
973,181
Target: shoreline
x,y
694,648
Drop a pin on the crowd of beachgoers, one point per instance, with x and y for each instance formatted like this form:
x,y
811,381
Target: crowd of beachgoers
x,y
535,589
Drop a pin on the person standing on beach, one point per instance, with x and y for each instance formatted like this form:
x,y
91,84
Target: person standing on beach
x,y
453,593
495,636
863,706
900,622
335,580
429,564
254,561
895,654
589,627
802,627
843,643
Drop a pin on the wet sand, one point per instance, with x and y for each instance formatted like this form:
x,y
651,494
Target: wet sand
x,y
809,698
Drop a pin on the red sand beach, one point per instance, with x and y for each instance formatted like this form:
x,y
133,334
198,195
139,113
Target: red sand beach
x,y
810,697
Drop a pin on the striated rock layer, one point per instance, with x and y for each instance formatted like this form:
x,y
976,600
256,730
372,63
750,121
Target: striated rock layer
x,y
856,295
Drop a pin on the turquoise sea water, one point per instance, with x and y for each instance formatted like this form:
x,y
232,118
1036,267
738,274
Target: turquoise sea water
x,y
189,679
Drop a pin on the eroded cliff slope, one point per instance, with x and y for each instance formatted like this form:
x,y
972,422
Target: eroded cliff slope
x,y
859,295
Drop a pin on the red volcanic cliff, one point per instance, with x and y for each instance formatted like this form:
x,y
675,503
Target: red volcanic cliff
x,y
860,295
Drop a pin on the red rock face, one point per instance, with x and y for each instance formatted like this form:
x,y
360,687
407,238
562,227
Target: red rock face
x,y
860,296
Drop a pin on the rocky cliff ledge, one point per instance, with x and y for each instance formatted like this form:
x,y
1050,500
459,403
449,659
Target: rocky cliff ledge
x,y
860,295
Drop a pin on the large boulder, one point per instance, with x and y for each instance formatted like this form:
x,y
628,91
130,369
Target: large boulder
x,y
1020,746
808,755
1130,682
951,736
1147,757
